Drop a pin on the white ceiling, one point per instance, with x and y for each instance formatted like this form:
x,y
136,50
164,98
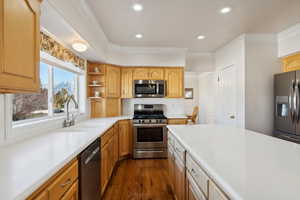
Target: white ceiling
x,y
176,23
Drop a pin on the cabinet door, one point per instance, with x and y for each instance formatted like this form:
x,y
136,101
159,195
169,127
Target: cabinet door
x,y
156,73
113,82
116,143
215,193
124,138
127,83
104,166
175,84
72,193
141,74
193,192
179,179
43,196
97,109
20,46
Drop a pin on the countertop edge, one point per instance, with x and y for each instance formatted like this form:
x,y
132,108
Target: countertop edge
x,y
212,174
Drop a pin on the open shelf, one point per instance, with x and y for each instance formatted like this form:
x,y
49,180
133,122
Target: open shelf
x,y
91,85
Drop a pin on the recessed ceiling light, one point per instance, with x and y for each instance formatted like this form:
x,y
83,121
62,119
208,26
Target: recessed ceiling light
x,y
200,37
139,36
225,10
138,7
79,46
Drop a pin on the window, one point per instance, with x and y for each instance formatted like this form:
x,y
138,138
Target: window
x,y
65,84
57,85
29,106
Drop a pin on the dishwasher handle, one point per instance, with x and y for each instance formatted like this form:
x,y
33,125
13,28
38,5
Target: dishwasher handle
x,y
92,155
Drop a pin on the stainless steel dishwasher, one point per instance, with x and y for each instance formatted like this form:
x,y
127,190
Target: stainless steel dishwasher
x,y
89,176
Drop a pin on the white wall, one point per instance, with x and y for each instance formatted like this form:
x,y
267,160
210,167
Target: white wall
x,y
140,56
199,62
261,65
172,106
289,41
207,93
234,54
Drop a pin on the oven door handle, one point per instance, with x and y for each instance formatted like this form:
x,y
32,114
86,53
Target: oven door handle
x,y
149,125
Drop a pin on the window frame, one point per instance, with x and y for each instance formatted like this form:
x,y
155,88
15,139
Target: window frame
x,y
15,129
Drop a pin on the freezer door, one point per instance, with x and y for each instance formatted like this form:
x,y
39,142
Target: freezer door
x,y
297,102
284,91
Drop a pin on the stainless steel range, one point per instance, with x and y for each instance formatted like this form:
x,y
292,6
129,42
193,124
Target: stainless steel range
x,y
150,132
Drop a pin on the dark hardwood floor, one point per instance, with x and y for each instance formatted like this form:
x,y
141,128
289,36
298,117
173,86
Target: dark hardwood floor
x,y
140,180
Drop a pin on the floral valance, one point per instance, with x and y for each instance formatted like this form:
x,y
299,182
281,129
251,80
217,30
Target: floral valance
x,y
55,49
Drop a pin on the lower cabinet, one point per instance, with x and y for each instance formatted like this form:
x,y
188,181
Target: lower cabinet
x,y
62,186
177,121
192,190
125,138
215,193
109,155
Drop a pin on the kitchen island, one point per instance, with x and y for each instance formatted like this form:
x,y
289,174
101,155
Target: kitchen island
x,y
242,163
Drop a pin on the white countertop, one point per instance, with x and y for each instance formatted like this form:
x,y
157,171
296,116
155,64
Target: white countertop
x,y
26,165
176,116
245,164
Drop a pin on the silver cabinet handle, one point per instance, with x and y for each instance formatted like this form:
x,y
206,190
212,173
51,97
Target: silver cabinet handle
x,y
69,181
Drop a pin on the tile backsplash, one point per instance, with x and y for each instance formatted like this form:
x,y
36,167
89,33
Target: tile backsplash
x,y
172,106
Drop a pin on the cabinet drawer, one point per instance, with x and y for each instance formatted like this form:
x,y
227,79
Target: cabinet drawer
x,y
194,188
198,174
62,183
107,136
180,150
177,121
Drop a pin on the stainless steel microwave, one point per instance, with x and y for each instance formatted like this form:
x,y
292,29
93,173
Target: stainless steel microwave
x,y
149,88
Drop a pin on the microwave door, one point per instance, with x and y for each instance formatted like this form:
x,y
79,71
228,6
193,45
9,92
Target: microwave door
x,y
285,99
297,102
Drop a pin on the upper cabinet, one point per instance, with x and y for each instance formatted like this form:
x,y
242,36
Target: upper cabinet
x,y
147,73
113,82
20,46
175,82
126,83
291,63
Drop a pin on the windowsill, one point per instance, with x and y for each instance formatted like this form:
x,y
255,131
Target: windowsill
x,y
31,122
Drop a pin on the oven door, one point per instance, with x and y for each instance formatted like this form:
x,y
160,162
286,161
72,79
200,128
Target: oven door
x,y
148,136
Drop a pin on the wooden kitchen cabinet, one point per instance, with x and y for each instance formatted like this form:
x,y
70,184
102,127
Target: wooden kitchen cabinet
x,y
148,73
106,107
140,73
156,73
107,157
291,63
127,83
20,46
63,185
125,138
192,190
175,82
112,82
72,194
177,121
116,143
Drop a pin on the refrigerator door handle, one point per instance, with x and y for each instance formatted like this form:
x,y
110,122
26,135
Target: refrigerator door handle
x,y
296,100
291,101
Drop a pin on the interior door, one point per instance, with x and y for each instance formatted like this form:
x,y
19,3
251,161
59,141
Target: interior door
x,y
283,89
227,97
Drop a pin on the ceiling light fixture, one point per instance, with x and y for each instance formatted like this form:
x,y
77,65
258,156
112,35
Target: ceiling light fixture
x,y
139,36
200,37
79,46
138,7
225,10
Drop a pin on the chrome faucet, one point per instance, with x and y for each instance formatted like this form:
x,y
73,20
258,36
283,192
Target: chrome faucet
x,y
70,122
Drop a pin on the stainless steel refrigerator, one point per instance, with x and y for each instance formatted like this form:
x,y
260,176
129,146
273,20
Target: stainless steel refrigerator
x,y
287,106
